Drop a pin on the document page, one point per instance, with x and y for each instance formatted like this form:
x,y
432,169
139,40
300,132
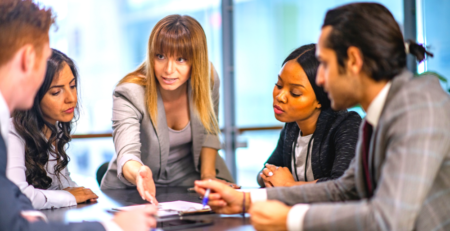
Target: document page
x,y
172,208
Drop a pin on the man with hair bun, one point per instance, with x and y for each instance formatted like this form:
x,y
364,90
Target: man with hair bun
x,y
399,178
24,50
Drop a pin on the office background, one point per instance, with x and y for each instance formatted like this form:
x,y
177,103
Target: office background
x,y
247,42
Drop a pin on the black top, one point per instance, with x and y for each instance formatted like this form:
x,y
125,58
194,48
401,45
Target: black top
x,y
333,148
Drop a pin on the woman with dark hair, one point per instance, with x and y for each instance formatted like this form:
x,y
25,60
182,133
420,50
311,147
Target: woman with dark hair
x,y
317,143
37,158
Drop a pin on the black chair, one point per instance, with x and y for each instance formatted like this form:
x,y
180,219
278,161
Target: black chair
x,y
101,172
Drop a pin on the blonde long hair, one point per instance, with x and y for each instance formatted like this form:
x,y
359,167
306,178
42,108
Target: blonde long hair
x,y
182,36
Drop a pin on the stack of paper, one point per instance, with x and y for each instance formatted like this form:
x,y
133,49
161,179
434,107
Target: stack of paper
x,y
173,208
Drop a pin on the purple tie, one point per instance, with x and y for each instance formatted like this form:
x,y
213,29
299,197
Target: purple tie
x,y
367,135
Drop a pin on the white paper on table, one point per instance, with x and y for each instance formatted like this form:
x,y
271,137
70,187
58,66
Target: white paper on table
x,y
171,208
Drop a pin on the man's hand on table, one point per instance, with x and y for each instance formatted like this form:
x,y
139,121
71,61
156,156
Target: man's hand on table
x,y
269,215
33,216
222,199
137,219
264,215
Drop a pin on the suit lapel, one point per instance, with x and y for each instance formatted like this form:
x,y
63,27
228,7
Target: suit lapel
x,y
163,135
377,152
197,129
378,141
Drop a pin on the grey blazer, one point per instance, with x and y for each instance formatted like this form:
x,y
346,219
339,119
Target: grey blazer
x,y
410,149
135,137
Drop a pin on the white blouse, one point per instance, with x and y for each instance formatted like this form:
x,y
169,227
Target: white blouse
x,y
301,151
54,196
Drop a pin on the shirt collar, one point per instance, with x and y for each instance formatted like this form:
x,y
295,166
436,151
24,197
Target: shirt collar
x,y
4,118
375,108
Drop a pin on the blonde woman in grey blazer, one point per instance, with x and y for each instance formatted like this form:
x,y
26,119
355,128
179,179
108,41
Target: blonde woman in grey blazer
x,y
165,125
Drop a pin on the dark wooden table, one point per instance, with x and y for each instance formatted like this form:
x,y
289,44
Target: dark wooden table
x,y
116,198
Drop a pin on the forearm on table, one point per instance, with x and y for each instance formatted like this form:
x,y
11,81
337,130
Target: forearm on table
x,y
301,183
248,201
312,193
130,170
341,189
208,162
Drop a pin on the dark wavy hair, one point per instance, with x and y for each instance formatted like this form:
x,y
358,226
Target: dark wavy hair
x,y
306,57
30,124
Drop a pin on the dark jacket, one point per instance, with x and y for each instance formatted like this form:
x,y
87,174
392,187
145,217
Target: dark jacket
x,y
12,202
333,147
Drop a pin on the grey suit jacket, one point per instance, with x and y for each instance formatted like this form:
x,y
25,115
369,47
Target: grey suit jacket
x,y
410,149
136,138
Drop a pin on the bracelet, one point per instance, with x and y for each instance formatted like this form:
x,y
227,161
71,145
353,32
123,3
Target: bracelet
x,y
243,205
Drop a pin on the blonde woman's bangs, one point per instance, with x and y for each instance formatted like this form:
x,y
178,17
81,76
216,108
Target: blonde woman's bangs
x,y
174,41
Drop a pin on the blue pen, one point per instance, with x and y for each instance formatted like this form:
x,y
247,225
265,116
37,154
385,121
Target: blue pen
x,y
206,197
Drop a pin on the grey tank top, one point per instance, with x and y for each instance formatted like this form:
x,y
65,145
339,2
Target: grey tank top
x,y
180,170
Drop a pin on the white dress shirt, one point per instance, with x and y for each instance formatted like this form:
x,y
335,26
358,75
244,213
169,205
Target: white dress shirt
x,y
297,213
376,107
54,196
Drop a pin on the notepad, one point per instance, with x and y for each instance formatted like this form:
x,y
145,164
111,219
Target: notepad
x,y
174,208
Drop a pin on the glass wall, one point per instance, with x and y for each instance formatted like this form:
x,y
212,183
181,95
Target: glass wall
x,y
434,31
108,39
